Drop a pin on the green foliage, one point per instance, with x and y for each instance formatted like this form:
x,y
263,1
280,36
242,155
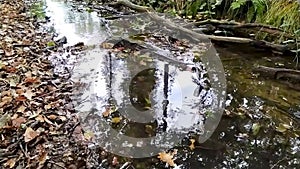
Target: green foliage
x,y
283,14
37,10
249,10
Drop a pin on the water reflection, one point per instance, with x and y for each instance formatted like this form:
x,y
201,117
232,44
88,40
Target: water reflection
x,y
84,27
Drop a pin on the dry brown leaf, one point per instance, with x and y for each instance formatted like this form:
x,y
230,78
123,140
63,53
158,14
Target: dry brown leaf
x,y
43,157
5,100
29,94
10,163
21,109
115,161
40,118
6,93
18,121
106,45
30,134
48,106
52,117
107,112
19,91
167,158
31,80
21,98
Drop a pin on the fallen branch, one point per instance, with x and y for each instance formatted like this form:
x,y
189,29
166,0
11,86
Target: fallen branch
x,y
289,77
130,5
236,25
274,47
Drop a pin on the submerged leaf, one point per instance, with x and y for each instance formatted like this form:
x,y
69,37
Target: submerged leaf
x,y
116,120
283,127
255,128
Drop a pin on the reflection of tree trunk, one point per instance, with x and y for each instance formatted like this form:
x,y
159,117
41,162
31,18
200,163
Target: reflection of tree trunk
x,y
110,79
165,102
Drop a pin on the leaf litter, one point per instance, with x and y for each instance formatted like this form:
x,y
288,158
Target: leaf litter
x,y
38,125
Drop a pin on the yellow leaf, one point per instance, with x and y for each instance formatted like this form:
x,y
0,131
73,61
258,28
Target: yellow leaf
x,y
192,146
106,45
116,120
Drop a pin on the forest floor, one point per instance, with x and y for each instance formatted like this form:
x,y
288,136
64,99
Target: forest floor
x,y
38,125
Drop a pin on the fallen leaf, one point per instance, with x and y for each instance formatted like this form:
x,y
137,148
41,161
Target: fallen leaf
x,y
107,112
52,117
30,134
18,121
21,109
43,157
31,80
167,158
10,163
48,106
21,98
88,135
40,118
106,45
116,120
283,127
255,128
4,119
48,121
192,146
115,161
29,94
5,100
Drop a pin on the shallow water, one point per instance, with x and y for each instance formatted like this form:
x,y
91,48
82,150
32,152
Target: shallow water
x,y
252,101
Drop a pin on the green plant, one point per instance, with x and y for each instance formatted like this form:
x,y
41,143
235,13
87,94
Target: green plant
x,y
249,10
37,10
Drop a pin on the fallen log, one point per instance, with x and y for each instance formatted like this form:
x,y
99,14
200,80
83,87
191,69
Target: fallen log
x,y
289,77
276,48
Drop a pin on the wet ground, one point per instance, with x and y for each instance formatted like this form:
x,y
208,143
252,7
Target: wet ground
x,y
259,129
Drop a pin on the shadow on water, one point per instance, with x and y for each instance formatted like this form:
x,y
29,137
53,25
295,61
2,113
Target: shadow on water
x,y
259,129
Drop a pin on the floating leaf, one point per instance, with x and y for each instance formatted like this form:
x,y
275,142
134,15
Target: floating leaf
x,y
166,157
107,112
192,146
106,45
